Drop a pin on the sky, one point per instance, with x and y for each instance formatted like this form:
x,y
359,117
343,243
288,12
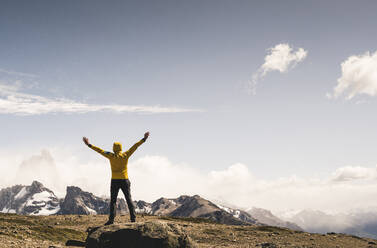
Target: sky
x,y
247,102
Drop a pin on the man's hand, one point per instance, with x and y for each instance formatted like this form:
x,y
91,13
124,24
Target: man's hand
x,y
86,141
146,135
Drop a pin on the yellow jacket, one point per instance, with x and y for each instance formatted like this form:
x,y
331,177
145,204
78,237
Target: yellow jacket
x,y
118,159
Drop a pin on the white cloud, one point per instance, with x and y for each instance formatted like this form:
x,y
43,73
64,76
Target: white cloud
x,y
353,173
12,101
359,76
156,176
39,167
280,58
17,73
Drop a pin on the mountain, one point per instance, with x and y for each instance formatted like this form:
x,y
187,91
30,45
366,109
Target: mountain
x,y
37,199
194,206
30,200
142,207
240,214
77,201
266,217
357,222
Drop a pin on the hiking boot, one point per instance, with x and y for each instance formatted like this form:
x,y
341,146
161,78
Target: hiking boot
x,y
133,219
109,222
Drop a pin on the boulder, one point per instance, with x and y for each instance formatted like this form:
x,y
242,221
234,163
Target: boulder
x,y
150,234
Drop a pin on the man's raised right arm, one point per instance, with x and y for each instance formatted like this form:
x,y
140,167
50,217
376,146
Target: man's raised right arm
x,y
97,149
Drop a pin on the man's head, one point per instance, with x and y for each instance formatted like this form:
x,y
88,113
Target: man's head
x,y
117,147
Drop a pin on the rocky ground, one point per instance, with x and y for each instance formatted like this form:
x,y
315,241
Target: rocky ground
x,y
56,231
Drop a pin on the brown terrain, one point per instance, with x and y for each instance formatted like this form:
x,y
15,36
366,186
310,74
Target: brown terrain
x,y
56,230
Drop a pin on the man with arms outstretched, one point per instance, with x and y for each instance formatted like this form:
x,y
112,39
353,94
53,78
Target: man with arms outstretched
x,y
119,175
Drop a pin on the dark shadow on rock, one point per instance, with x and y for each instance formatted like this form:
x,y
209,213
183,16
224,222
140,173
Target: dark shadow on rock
x,y
90,230
75,243
151,234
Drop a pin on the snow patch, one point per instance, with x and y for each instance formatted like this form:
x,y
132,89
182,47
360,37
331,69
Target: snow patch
x,y
91,211
41,200
8,211
43,196
224,208
146,210
47,210
237,214
21,193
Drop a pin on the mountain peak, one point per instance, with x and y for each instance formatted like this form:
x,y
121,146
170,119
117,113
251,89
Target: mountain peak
x,y
73,190
36,185
34,200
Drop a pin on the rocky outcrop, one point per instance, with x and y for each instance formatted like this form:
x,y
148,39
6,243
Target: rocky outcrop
x,y
154,234
77,201
34,200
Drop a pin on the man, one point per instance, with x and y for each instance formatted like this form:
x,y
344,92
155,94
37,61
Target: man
x,y
119,177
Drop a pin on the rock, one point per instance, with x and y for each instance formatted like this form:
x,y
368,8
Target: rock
x,y
151,234
268,245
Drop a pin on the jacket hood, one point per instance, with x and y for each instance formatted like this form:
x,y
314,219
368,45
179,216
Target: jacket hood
x,y
117,147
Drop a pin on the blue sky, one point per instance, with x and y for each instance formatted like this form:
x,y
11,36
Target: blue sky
x,y
195,60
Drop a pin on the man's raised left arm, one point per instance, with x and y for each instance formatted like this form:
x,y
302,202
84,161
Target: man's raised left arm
x,y
133,148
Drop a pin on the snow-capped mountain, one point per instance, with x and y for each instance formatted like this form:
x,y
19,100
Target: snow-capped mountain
x,y
240,214
39,200
34,200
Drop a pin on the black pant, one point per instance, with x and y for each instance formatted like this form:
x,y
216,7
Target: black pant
x,y
125,185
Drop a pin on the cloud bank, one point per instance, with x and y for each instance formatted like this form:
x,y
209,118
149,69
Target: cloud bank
x,y
349,173
359,76
12,101
152,177
280,58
